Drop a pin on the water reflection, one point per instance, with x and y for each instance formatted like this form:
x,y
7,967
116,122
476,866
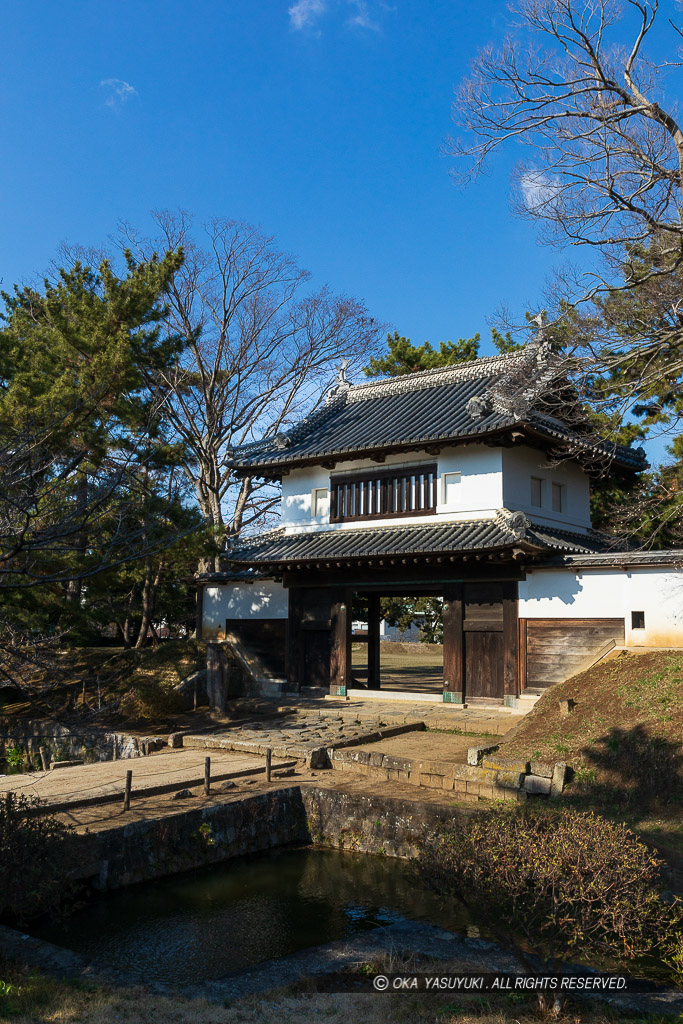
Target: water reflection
x,y
207,923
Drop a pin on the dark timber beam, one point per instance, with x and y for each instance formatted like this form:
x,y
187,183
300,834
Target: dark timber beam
x,y
453,647
510,643
373,642
340,655
294,659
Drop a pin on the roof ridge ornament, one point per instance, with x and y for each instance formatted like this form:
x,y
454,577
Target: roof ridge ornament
x,y
478,406
515,394
517,522
342,384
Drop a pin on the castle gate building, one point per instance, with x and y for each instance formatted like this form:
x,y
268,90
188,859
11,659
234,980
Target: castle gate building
x,y
460,483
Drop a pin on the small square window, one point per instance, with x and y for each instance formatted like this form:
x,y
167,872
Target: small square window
x,y
320,505
637,620
536,492
451,489
558,497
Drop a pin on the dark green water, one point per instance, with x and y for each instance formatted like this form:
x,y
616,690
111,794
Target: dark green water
x,y
207,923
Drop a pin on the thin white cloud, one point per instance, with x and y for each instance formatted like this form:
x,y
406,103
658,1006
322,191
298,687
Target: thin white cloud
x,y
540,191
362,18
305,13
119,91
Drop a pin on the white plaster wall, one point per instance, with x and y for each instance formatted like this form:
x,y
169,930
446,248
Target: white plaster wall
x,y
480,493
481,482
297,488
610,593
259,600
520,464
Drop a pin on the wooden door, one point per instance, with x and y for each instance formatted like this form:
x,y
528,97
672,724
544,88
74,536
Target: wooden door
x,y
316,667
484,665
484,641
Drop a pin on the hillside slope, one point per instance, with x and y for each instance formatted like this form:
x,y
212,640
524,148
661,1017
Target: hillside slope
x,y
624,740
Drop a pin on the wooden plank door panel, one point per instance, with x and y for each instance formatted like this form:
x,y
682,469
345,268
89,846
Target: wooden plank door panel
x,y
484,664
316,667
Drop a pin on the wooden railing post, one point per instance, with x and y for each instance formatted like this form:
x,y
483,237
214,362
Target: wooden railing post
x,y
126,795
207,776
269,758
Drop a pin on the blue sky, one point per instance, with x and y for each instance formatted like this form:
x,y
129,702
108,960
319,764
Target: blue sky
x,y
321,120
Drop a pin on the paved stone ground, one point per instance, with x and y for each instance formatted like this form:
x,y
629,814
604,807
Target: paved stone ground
x,y
366,711
161,772
297,730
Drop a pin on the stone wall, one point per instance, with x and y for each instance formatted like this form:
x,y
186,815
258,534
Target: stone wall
x,y
339,818
491,777
389,826
67,743
196,837
157,847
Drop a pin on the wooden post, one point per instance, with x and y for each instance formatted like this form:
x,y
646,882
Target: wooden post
x,y
207,776
340,659
114,749
295,651
510,644
43,757
374,671
126,795
453,646
522,654
269,759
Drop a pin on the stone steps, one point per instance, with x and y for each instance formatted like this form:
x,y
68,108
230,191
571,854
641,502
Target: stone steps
x,y
463,781
495,778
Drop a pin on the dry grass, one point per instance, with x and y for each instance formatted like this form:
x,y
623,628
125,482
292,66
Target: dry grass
x,y
35,999
95,680
624,740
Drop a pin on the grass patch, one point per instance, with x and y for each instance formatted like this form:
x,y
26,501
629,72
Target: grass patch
x,y
624,740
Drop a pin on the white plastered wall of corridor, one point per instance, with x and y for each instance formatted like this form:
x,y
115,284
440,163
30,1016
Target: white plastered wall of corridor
x,y
610,593
259,600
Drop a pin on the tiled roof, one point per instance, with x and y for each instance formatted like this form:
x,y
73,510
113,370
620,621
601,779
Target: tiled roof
x,y
506,530
632,558
454,403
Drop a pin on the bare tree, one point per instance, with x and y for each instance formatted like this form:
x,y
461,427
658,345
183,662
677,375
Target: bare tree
x,y
606,171
260,350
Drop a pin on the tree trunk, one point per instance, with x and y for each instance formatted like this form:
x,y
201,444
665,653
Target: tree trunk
x,y
74,587
149,597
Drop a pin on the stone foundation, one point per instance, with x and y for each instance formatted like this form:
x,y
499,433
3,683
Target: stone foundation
x,y
494,778
154,848
71,742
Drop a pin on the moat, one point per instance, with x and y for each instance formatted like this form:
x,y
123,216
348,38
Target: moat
x,y
213,921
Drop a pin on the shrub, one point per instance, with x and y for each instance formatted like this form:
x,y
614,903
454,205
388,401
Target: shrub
x,y
36,857
14,756
556,884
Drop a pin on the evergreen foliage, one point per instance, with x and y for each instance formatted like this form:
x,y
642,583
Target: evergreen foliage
x,y
403,357
92,501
